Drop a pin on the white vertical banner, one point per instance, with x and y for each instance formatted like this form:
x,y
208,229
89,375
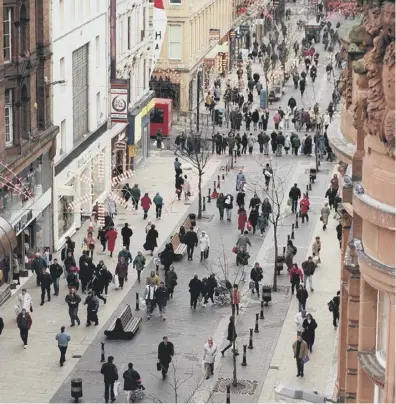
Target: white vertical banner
x,y
159,28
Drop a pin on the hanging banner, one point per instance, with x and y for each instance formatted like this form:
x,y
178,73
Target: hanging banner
x,y
159,28
119,101
263,99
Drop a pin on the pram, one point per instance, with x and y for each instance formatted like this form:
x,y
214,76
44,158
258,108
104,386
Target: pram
x,y
222,293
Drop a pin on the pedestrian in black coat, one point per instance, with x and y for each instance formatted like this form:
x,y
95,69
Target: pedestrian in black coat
x,y
308,334
211,284
45,283
191,240
273,141
126,234
195,288
56,272
166,351
110,373
253,216
231,334
302,296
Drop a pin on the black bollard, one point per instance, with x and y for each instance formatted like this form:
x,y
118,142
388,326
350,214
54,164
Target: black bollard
x,y
209,195
244,356
288,237
284,251
228,399
251,339
76,389
296,221
137,308
214,186
307,189
262,310
102,353
292,233
310,186
256,329
222,177
218,181
203,204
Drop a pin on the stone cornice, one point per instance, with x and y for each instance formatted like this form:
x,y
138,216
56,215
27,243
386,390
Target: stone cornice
x,y
376,212
370,364
342,148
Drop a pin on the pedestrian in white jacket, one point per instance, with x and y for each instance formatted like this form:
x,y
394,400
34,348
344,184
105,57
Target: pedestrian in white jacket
x,y
204,244
299,319
287,144
24,302
208,360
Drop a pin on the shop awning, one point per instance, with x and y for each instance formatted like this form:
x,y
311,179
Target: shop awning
x,y
8,240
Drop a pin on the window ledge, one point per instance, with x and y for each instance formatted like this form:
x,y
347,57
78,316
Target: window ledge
x,y
372,262
370,364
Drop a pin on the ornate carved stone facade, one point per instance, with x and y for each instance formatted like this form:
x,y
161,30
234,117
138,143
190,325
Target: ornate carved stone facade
x,y
366,370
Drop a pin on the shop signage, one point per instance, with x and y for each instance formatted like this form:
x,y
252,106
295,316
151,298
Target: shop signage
x,y
119,101
214,35
25,220
263,98
84,159
275,3
233,33
244,29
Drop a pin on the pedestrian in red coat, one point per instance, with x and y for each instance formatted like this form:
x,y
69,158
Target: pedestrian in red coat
x,y
146,204
111,236
242,219
304,206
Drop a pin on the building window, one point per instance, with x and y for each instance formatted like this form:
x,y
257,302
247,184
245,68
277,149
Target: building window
x,y
382,326
175,2
63,137
23,32
62,14
25,100
97,46
129,33
7,27
80,92
175,45
8,118
98,108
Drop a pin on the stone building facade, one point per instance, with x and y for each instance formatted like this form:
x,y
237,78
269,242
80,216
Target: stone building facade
x,y
27,135
364,143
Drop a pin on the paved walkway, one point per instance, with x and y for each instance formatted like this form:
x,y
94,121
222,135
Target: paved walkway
x,y
41,357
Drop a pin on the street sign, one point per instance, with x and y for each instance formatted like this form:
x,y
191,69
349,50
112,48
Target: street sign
x,y
263,98
244,28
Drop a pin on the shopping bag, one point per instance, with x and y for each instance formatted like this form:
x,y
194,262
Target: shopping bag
x,y
158,367
289,202
249,226
306,359
116,282
117,388
251,285
235,249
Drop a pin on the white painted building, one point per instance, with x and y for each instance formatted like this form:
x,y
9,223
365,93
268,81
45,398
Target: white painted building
x,y
133,63
82,172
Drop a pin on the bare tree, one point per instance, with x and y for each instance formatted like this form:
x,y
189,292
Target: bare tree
x,y
276,195
198,154
176,381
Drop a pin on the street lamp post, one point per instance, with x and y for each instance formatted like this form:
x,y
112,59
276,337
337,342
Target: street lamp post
x,y
198,94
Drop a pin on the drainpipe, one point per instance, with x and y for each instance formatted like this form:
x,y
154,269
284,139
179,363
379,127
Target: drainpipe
x,y
113,38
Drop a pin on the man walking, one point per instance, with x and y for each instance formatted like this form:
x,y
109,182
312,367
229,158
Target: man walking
x,y
309,269
191,240
294,195
335,305
126,234
45,283
63,339
24,322
73,300
38,263
56,272
110,374
92,303
210,352
166,351
161,297
159,203
300,350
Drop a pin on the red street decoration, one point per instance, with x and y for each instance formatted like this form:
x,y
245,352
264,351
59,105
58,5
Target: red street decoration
x,y
215,194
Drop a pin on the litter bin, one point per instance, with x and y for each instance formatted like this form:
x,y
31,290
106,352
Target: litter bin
x,y
193,219
266,291
280,260
312,174
76,389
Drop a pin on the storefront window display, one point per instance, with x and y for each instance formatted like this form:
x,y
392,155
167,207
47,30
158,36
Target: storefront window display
x,y
65,214
19,192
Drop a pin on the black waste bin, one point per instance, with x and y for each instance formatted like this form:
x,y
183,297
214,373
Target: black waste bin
x,y
280,260
266,291
76,389
312,174
193,219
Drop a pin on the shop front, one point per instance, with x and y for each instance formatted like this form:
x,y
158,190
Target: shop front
x,y
139,131
119,154
83,182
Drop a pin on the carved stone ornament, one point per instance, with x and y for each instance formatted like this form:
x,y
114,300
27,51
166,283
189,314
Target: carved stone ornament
x,y
380,66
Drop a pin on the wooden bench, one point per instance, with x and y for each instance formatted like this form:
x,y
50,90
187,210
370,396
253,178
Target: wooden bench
x,y
129,323
179,248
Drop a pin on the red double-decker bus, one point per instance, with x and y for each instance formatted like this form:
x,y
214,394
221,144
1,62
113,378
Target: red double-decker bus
x,y
345,6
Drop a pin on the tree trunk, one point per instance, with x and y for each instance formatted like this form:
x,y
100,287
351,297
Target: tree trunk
x,y
199,194
234,373
275,281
